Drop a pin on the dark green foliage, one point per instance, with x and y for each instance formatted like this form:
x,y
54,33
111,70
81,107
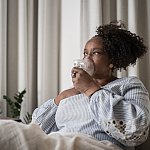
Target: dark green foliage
x,y
15,106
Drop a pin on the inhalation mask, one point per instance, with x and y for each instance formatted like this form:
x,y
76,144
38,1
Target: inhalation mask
x,y
86,64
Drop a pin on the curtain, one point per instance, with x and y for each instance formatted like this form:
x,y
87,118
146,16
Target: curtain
x,y
3,54
29,45
27,52
48,49
39,39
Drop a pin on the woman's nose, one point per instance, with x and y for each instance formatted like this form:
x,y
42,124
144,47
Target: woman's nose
x,y
89,56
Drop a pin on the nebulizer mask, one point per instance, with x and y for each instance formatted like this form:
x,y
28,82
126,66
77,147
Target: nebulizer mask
x,y
86,64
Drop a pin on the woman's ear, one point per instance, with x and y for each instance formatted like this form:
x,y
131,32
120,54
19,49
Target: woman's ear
x,y
111,66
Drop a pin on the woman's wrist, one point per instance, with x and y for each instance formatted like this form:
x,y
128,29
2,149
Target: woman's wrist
x,y
58,99
65,94
55,101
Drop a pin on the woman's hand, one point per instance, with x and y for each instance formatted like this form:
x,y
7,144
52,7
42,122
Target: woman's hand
x,y
83,82
65,94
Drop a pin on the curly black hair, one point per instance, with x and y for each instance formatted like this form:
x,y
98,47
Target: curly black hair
x,y
121,46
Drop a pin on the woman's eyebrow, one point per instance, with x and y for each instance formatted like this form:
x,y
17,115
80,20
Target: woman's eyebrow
x,y
85,50
100,49
95,49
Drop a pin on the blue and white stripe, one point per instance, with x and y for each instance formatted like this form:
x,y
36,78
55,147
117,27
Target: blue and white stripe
x,y
125,100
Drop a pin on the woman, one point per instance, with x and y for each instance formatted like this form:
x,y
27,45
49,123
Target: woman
x,y
102,105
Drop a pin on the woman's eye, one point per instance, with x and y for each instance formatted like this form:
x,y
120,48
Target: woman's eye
x,y
85,54
96,53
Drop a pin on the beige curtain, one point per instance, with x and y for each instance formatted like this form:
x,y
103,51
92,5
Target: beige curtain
x,y
3,54
29,45
27,21
39,40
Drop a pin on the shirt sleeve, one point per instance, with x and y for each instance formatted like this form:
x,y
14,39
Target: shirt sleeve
x,y
124,116
44,116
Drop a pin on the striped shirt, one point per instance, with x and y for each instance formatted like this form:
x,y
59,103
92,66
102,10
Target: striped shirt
x,y
118,112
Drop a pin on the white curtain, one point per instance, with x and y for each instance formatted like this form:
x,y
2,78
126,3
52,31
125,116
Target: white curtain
x,y
29,54
39,39
3,54
48,48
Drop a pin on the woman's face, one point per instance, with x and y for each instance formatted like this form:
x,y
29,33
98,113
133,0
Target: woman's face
x,y
94,51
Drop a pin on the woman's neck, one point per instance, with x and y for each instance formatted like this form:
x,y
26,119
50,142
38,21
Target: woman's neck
x,y
104,81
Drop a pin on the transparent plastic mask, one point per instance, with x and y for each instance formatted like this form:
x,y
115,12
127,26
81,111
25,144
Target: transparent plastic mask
x,y
86,64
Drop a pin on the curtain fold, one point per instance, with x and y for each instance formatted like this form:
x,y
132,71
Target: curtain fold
x,y
69,40
91,17
132,26
3,54
27,53
122,14
48,49
38,51
12,48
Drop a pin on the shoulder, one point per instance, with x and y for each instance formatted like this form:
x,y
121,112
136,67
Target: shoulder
x,y
125,81
133,82
124,84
